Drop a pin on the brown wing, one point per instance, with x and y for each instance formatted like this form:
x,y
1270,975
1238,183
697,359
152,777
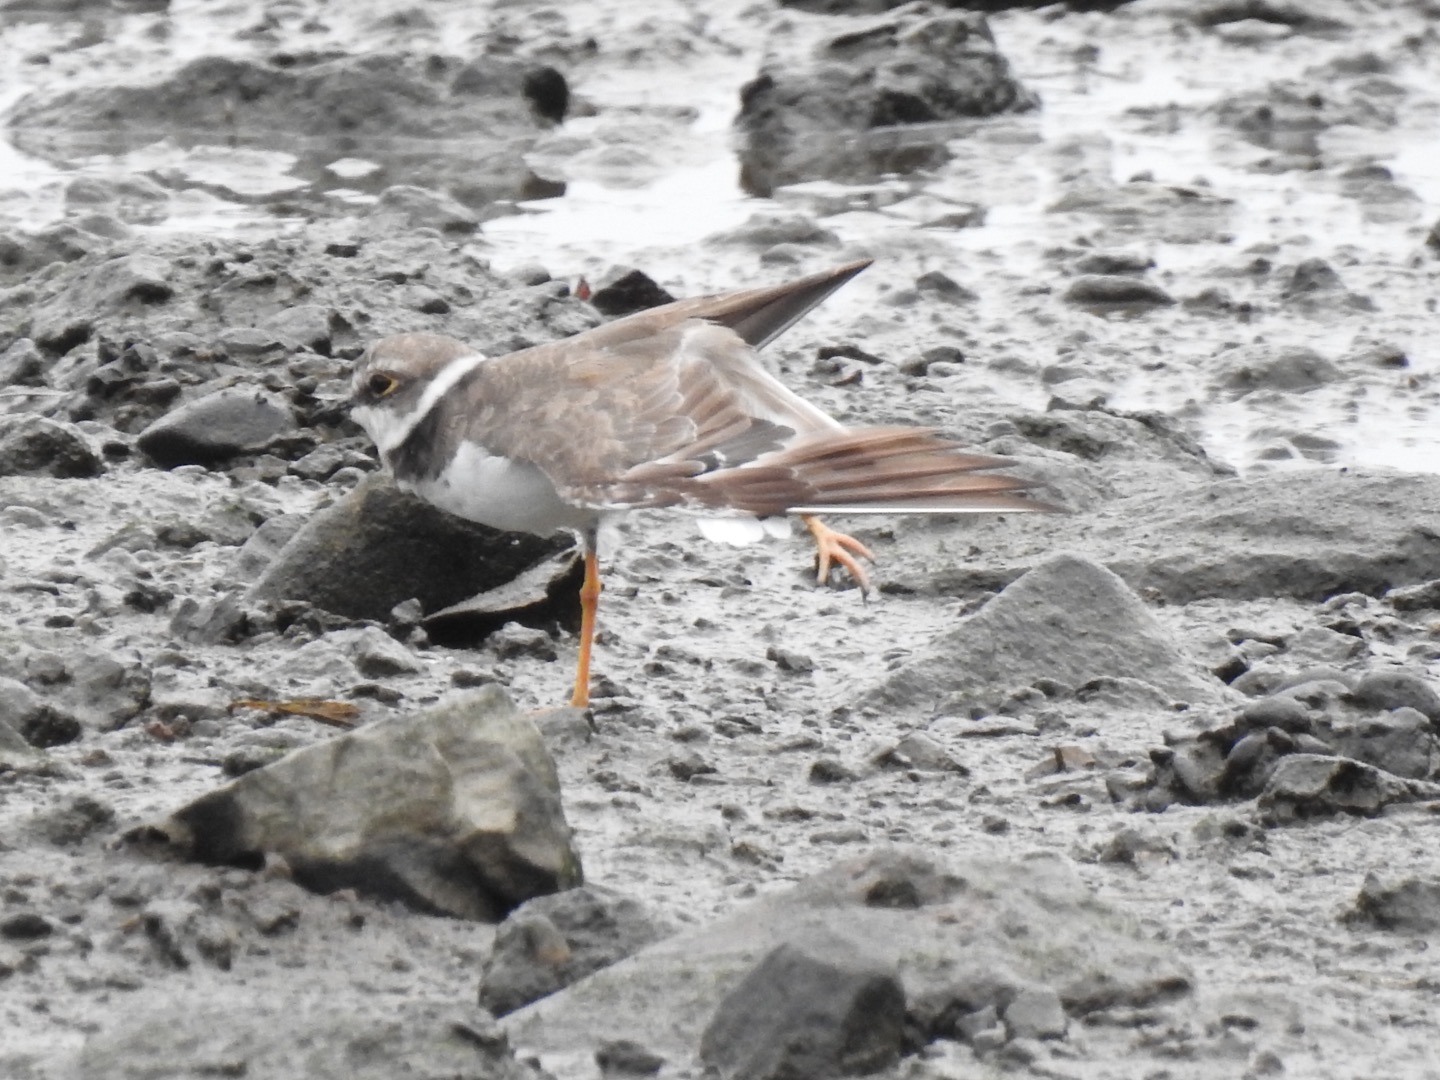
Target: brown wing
x,y
880,469
617,424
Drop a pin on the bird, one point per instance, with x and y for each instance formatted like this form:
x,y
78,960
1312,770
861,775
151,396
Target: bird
x,y
667,408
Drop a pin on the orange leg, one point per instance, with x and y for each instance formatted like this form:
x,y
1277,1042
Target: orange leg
x,y
832,546
589,601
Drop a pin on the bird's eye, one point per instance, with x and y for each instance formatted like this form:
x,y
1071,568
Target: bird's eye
x,y
381,384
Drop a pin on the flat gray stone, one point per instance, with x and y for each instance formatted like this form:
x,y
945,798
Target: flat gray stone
x,y
1233,538
975,932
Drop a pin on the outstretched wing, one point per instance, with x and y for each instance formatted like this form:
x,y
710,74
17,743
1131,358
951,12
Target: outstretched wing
x,y
618,425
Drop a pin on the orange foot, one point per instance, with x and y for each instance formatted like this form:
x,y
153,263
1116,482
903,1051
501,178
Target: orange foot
x,y
840,548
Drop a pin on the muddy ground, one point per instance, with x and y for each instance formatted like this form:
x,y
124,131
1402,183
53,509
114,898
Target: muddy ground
x,y
1185,275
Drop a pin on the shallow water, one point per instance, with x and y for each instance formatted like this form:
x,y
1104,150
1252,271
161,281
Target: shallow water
x,y
652,173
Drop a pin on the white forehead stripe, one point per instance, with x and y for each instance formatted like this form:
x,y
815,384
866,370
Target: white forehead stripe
x,y
449,377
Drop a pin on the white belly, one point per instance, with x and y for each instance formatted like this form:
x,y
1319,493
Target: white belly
x,y
503,494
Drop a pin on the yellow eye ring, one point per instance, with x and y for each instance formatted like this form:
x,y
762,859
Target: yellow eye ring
x,y
381,384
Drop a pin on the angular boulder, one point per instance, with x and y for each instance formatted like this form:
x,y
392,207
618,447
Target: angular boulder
x,y
454,810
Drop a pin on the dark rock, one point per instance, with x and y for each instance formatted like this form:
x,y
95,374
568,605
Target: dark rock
x,y
378,546
789,660
811,1007
1397,690
1109,263
826,116
454,810
1069,620
1410,906
623,1057
36,446
550,942
1310,785
626,290
831,771
215,428
1422,597
1252,760
943,287
540,596
47,726
1106,291
25,926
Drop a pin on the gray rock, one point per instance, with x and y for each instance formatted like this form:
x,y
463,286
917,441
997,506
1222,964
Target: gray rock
x,y
215,428
550,942
1115,291
22,364
808,118
1026,923
1311,785
135,199
1286,713
1397,690
411,207
1260,367
1400,742
1233,538
378,546
376,654
1036,1012
1409,906
454,810
209,623
37,446
102,690
1068,620
768,229
263,545
816,1007
304,324
15,751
